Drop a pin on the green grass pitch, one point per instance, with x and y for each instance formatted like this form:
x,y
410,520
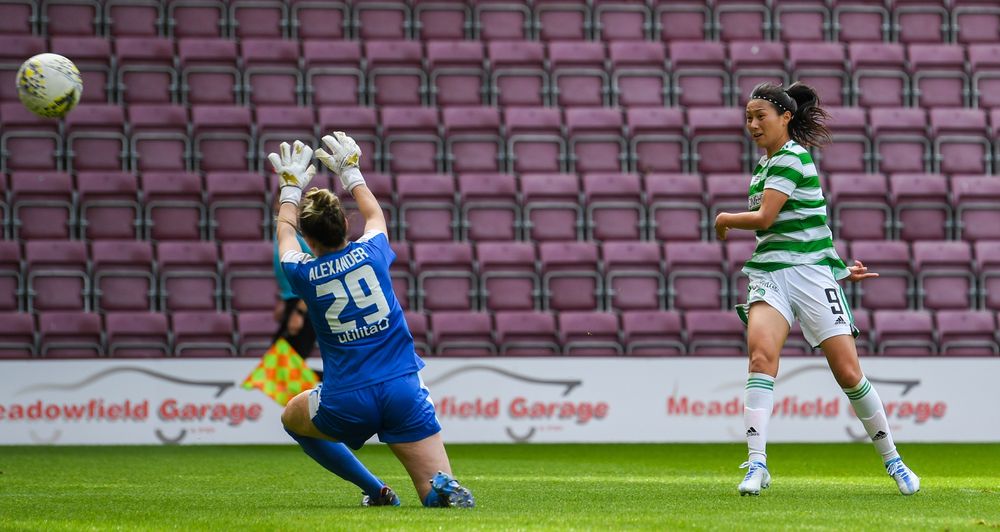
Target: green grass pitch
x,y
557,487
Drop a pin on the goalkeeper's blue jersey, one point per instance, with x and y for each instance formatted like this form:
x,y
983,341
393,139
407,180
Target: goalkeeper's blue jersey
x,y
359,324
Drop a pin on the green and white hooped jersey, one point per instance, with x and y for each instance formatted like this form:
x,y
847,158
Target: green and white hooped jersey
x,y
800,234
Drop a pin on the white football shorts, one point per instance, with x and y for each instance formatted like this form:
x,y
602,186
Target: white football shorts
x,y
807,293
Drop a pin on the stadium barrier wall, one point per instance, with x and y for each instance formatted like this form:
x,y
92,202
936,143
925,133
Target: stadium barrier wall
x,y
174,401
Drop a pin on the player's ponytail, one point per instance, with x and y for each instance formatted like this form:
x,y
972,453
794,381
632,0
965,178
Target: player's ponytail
x,y
807,126
321,218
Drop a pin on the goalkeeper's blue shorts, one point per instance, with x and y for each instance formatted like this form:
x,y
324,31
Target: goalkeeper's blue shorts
x,y
398,410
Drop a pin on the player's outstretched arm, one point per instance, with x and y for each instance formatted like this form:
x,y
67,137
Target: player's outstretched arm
x,y
342,159
761,219
859,272
294,170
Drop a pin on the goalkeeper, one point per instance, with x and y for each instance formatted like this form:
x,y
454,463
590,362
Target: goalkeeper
x,y
371,382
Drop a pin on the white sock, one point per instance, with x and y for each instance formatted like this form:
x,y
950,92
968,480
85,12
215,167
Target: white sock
x,y
868,407
758,403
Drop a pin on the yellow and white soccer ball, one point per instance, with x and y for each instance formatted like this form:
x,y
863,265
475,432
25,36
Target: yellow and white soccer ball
x,y
49,85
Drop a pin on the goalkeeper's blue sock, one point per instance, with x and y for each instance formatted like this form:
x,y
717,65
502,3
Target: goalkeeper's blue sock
x,y
340,461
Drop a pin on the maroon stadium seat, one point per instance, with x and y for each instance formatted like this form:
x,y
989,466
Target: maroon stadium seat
x,y
753,62
92,56
615,20
11,278
984,63
938,73
571,277
500,20
445,276
552,209
427,207
255,330
462,334
657,140
615,210
137,334
410,139
901,143
851,149
203,334
333,72
676,206
590,334
58,278
893,289
921,208
804,21
975,21
563,20
29,142
123,274
363,125
320,21
109,205
159,140
596,140
71,17
530,333
905,332
18,18
534,140
923,21
945,277
133,18
858,20
518,74
715,332
977,207
404,285
417,323
821,66
17,335
683,20
433,19
878,75
258,19
271,75
277,124
988,267
653,333
173,206
638,74
473,140
395,73
727,193
742,20
248,271
508,276
699,73
961,141
718,140
696,276
42,205
967,332
197,18
146,72
209,71
387,19
633,276
95,138
223,138
578,76
189,276
860,206
457,72
70,335
237,206
490,210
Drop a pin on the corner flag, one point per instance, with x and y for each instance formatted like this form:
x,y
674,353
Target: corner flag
x,y
281,374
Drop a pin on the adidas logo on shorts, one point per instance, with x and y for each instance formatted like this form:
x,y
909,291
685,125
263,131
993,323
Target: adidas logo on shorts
x,y
840,321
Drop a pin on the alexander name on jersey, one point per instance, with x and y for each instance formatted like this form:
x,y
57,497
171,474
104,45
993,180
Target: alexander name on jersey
x,y
328,268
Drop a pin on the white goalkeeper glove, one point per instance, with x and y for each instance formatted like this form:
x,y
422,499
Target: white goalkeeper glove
x,y
294,168
342,159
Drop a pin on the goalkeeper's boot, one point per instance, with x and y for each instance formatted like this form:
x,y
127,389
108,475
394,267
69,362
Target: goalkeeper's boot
x,y
451,492
908,481
386,497
757,478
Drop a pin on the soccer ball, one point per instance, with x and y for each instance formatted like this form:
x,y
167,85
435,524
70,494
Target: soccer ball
x,y
49,85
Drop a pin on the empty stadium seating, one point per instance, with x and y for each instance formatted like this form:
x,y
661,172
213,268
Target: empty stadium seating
x,y
550,170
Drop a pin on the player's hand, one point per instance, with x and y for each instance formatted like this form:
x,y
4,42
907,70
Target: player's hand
x,y
720,226
294,167
859,272
342,156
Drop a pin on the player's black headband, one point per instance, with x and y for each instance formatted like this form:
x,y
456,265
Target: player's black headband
x,y
781,106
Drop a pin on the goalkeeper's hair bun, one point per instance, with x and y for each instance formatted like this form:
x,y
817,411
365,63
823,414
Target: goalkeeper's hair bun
x,y
321,218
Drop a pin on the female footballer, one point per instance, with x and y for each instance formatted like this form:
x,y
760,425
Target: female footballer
x,y
371,383
793,274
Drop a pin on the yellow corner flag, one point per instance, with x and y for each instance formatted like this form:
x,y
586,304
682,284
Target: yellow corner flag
x,y
281,374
